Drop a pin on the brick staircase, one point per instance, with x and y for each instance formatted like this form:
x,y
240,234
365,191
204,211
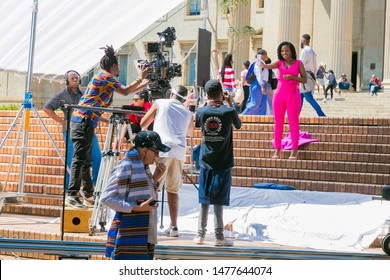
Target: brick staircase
x,y
352,155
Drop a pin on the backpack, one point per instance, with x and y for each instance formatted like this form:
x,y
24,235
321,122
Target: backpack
x,y
250,76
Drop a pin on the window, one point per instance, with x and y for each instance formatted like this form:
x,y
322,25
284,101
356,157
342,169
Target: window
x,y
194,7
190,69
87,77
122,60
260,6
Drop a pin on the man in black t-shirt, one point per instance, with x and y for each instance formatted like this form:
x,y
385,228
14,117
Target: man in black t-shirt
x,y
216,159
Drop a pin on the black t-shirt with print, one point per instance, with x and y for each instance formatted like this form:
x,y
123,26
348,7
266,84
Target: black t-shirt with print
x,y
216,151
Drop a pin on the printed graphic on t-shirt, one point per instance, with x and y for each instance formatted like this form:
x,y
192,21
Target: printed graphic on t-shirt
x,y
212,127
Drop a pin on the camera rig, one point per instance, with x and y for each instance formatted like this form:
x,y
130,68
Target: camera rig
x,y
163,69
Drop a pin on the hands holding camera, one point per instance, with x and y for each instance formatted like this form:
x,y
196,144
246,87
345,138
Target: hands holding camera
x,y
145,205
227,97
141,80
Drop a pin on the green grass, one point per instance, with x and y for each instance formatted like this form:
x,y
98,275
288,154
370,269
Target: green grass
x,y
9,107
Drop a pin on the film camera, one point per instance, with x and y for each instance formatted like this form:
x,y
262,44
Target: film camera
x,y
163,70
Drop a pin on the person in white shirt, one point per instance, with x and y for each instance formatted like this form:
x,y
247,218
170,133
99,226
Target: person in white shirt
x,y
257,101
173,122
308,58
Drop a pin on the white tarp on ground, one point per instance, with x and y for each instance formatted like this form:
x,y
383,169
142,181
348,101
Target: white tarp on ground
x,y
318,220
69,33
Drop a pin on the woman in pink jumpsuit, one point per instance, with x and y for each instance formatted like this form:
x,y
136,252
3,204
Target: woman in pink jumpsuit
x,y
287,96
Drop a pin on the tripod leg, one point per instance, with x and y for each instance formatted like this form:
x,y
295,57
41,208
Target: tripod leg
x,y
24,149
113,160
49,135
101,179
12,126
162,207
13,155
189,178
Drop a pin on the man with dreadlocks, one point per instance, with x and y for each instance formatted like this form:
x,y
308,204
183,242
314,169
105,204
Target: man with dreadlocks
x,y
99,93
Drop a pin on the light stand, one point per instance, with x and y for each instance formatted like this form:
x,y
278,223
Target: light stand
x,y
28,104
25,110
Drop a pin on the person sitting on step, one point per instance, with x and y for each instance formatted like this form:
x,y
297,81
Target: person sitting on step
x,y
343,84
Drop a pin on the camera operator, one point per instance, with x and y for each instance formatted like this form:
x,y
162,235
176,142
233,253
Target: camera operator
x,y
99,93
216,159
173,122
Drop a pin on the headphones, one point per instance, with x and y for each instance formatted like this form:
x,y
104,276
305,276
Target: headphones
x,y
70,72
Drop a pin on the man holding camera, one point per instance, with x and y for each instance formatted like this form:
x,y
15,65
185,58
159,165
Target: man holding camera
x,y
216,121
71,95
173,122
132,193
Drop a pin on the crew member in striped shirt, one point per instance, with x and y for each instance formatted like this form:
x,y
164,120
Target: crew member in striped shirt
x,y
99,93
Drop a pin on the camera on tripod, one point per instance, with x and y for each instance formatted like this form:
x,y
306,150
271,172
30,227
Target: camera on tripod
x,y
163,69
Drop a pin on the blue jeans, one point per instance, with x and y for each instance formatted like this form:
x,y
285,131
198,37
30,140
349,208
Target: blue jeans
x,y
310,99
96,157
373,88
343,86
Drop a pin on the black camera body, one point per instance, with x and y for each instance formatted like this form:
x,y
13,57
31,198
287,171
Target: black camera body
x,y
163,69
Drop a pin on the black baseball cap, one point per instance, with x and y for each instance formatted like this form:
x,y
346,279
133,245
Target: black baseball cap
x,y
213,86
151,140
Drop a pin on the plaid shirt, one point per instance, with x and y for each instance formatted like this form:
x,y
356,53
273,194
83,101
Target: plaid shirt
x,y
99,93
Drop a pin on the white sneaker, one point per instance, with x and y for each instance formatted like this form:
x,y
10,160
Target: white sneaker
x,y
172,231
324,100
198,240
223,242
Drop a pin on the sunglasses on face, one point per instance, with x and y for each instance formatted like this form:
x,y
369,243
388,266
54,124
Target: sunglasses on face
x,y
136,99
154,150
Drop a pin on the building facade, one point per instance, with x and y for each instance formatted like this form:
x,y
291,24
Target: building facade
x,y
349,36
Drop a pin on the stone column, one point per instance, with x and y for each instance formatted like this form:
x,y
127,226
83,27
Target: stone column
x,y
386,58
241,52
289,22
341,15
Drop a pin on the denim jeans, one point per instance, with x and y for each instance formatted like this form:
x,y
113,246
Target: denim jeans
x,y
82,136
96,157
310,99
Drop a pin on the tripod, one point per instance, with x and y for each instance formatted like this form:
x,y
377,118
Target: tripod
x,y
109,157
25,110
118,125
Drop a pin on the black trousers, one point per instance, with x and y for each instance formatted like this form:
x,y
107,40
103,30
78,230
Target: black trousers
x,y
81,135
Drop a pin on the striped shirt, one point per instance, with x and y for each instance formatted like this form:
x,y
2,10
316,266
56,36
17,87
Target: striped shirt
x,y
99,93
131,181
229,81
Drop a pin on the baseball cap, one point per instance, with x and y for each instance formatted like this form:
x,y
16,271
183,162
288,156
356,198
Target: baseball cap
x,y
151,140
213,85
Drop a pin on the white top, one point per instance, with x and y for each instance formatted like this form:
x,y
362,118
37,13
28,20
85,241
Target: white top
x,y
308,58
171,123
261,73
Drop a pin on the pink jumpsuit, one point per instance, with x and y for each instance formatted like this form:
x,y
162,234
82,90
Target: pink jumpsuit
x,y
287,97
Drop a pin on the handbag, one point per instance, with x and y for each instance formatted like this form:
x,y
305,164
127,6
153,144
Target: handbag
x,y
239,94
274,83
272,80
251,77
